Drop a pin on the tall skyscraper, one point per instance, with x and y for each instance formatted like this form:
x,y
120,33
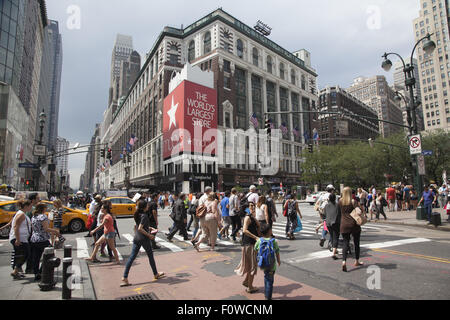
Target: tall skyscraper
x,y
62,146
21,49
376,93
56,60
434,69
123,47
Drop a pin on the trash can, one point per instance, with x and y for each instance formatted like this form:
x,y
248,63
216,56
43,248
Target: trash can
x,y
436,219
421,214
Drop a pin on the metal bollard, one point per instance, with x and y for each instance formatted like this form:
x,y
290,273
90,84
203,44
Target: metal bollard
x,y
49,263
67,288
67,251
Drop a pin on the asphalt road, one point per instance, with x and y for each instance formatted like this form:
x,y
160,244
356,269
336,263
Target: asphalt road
x,y
400,262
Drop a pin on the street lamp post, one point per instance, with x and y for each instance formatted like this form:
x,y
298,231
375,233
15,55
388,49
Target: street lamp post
x,y
42,118
410,82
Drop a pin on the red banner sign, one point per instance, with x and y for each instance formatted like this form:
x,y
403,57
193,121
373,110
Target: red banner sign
x,y
190,120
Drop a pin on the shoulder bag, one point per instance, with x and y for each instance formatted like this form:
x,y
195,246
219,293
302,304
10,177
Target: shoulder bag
x,y
359,216
201,211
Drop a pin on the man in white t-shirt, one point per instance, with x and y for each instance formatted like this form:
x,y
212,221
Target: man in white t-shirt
x,y
234,214
253,195
204,197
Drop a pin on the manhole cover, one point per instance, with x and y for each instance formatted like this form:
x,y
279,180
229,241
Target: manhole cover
x,y
145,296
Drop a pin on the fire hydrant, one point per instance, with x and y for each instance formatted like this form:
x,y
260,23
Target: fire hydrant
x,y
49,263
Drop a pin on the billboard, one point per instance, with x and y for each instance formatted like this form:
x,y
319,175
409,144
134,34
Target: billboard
x,y
190,120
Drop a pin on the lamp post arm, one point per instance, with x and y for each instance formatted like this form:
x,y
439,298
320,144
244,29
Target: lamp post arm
x,y
414,49
393,53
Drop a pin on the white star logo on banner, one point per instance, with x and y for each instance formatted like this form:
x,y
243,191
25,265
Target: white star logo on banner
x,y
171,113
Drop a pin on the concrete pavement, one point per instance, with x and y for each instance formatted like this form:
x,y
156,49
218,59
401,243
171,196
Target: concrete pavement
x,y
196,278
408,218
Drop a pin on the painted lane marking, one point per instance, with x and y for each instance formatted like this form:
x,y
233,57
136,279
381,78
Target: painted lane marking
x,y
130,238
326,254
414,255
168,245
82,248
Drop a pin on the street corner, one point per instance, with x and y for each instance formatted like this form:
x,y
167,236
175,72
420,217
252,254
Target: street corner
x,y
185,277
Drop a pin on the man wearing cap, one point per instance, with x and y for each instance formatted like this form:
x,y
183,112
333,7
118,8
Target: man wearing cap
x,y
180,218
322,202
253,195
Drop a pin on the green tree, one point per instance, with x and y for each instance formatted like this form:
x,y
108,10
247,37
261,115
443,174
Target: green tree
x,y
439,143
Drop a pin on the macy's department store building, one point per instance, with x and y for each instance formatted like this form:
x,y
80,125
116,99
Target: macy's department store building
x,y
220,72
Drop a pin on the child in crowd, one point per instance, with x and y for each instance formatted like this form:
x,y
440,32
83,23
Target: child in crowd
x,y
269,272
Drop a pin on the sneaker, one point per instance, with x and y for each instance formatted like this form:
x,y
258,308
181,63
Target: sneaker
x,y
322,241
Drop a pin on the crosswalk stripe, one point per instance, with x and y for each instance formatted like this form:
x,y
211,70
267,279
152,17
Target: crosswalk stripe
x,y
82,248
130,238
168,245
120,256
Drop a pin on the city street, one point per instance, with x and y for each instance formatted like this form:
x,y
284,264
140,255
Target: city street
x,y
414,263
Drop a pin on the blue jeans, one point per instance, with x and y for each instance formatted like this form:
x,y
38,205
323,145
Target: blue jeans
x,y
268,284
428,210
147,245
324,234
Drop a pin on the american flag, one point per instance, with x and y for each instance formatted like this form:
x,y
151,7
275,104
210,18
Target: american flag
x,y
316,135
284,129
254,121
296,132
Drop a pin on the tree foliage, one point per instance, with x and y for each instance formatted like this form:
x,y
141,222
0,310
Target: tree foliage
x,y
358,164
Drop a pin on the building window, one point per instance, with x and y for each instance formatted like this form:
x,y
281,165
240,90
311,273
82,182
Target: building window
x,y
226,66
191,51
282,70
255,57
293,76
303,82
173,58
269,64
207,43
240,48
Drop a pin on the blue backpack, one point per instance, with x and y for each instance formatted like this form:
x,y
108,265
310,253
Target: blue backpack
x,y
266,254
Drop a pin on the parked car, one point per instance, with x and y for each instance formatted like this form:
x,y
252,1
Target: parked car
x,y
73,220
313,197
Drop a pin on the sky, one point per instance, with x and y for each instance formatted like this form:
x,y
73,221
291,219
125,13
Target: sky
x,y
346,39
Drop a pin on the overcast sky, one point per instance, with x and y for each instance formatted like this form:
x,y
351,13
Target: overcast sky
x,y
346,39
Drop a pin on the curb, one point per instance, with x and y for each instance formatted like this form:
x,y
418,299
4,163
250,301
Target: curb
x,y
430,227
88,287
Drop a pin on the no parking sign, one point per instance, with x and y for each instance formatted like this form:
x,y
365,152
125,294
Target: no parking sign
x,y
415,144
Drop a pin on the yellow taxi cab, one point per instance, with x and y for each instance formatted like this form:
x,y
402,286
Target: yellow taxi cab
x,y
121,206
73,220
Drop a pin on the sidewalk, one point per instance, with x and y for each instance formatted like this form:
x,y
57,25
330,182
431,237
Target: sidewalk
x,y
28,289
201,276
408,218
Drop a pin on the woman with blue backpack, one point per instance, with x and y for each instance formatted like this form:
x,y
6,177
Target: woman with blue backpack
x,y
248,265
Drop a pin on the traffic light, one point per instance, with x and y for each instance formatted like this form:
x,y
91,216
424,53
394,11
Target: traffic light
x,y
311,148
109,156
102,153
268,126
28,183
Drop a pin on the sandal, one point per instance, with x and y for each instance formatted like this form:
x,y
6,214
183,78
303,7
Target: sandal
x,y
358,264
125,283
92,260
196,247
251,291
160,275
245,284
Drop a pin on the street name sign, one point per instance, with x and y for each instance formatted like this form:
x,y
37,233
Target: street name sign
x,y
28,165
415,144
